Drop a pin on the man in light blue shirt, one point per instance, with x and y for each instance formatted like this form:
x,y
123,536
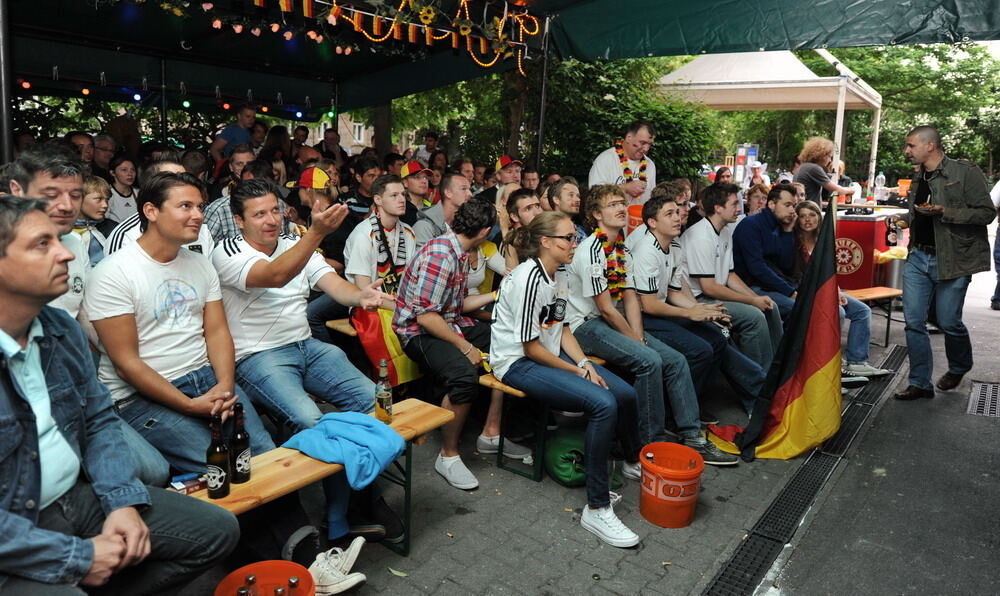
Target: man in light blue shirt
x,y
61,528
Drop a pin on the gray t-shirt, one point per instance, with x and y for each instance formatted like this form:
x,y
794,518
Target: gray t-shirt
x,y
813,177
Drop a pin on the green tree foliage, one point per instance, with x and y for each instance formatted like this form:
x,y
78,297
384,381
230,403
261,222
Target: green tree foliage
x,y
951,87
588,106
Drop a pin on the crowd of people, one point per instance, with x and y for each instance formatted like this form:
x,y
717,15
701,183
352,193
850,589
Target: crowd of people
x,y
143,295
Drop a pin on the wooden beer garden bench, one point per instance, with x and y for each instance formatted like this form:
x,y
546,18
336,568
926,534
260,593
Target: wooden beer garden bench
x,y
282,471
884,298
342,326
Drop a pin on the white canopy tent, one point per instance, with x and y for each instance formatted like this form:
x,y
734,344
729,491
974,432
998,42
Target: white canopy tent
x,y
776,81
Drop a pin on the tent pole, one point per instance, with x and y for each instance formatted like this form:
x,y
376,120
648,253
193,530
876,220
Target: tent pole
x,y
163,100
838,133
6,84
543,97
876,123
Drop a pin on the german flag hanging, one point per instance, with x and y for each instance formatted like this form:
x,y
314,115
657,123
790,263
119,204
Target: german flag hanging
x,y
285,5
260,3
308,10
799,405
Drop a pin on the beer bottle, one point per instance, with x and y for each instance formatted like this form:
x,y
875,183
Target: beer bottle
x,y
383,394
239,448
217,459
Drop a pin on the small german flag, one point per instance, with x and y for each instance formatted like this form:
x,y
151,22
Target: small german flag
x,y
286,5
260,3
799,405
308,10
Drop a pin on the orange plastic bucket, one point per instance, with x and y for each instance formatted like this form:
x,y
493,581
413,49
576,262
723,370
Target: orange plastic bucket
x,y
671,480
269,575
634,218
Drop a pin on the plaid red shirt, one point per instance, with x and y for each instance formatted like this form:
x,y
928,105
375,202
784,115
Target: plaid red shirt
x,y
434,281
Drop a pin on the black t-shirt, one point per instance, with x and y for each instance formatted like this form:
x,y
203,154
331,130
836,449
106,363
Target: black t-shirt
x,y
922,230
813,177
410,216
358,207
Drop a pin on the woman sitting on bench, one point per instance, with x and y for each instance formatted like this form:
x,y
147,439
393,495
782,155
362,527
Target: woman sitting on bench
x,y
532,350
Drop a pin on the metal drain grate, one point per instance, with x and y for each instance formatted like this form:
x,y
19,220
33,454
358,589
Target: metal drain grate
x,y
742,573
984,399
870,393
752,559
785,513
850,423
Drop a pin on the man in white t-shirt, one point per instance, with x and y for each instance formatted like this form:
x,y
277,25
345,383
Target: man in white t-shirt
x,y
671,312
627,163
266,277
129,230
49,173
565,197
166,353
708,252
55,175
381,246
598,287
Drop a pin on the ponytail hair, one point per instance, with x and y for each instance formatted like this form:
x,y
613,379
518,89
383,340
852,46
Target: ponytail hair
x,y
527,240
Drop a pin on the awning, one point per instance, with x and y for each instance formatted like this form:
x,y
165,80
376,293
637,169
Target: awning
x,y
764,81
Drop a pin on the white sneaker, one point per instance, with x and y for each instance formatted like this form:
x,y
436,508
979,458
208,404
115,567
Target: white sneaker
x,y
866,370
328,577
615,497
604,524
490,445
632,471
344,559
455,472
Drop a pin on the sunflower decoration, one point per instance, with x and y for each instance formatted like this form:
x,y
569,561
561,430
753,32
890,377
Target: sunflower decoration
x,y
427,15
464,27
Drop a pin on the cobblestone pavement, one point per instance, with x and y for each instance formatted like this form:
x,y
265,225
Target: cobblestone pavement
x,y
516,536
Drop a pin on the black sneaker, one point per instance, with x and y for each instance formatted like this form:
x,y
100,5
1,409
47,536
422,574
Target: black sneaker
x,y
386,517
707,417
709,452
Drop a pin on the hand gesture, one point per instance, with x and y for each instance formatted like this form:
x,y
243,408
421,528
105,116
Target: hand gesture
x,y
212,402
590,373
634,188
763,302
706,312
326,220
127,523
474,355
108,554
371,297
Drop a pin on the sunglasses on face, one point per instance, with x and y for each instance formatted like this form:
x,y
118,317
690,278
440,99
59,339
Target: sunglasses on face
x,y
571,238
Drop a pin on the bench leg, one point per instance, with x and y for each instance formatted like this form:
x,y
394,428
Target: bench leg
x,y
402,476
538,453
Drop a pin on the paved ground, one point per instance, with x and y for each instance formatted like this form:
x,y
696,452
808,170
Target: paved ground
x,y
914,509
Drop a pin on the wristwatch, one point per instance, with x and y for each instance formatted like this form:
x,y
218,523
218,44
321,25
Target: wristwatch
x,y
583,363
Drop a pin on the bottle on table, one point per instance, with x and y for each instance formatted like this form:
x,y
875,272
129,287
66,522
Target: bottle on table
x,y
880,193
383,394
217,460
239,448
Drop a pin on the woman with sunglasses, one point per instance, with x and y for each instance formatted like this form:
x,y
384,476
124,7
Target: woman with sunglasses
x,y
532,350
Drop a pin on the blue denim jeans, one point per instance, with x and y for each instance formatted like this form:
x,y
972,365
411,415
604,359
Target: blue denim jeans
x,y
859,333
281,380
996,266
182,439
187,537
655,366
785,303
609,411
757,333
706,347
920,286
151,468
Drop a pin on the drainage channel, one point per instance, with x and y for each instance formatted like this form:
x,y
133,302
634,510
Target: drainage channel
x,y
745,569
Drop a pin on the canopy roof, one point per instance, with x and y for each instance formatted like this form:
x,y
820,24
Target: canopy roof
x,y
764,81
127,41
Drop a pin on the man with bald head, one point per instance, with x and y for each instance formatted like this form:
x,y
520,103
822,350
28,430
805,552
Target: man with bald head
x,y
948,211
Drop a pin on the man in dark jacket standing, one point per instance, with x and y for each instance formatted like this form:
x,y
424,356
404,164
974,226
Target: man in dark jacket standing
x,y
948,214
72,512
